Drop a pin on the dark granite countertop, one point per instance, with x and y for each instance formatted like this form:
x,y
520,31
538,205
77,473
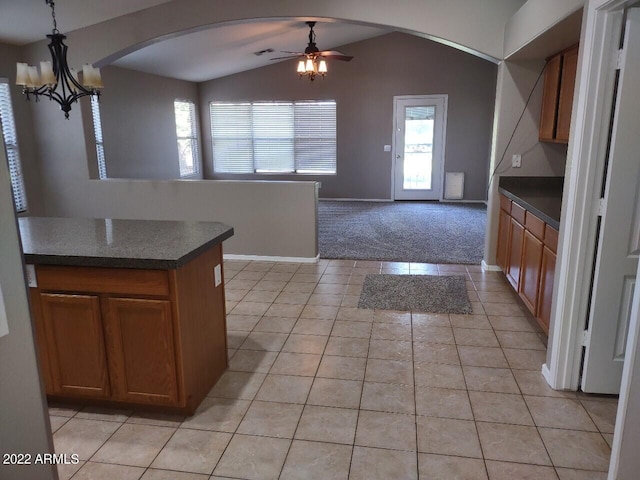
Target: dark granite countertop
x,y
540,195
149,244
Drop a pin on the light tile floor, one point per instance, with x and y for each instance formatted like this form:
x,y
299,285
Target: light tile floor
x,y
317,388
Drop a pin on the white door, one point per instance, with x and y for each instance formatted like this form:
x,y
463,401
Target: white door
x,y
617,254
419,124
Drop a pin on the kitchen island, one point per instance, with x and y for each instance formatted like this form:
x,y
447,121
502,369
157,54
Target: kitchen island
x,y
127,312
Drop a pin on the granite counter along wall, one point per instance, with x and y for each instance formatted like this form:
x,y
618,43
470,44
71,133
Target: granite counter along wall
x,y
540,195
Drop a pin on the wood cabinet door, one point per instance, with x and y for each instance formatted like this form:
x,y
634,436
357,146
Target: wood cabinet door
x,y
550,95
75,344
565,102
502,253
530,276
547,272
140,345
516,236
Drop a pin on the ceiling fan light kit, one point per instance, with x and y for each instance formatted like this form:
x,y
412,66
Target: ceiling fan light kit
x,y
55,79
312,62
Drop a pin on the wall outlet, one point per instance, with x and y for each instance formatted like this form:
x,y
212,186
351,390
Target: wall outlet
x,y
32,280
217,275
387,148
516,161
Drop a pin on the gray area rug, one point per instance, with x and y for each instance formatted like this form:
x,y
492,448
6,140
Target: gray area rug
x,y
424,232
417,293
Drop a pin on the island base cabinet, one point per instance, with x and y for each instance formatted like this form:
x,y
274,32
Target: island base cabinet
x,y
141,350
162,347
74,337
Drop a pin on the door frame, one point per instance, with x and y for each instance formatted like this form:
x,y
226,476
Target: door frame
x,y
396,98
592,103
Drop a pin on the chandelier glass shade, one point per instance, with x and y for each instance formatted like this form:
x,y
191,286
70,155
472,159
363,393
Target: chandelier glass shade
x,y
55,79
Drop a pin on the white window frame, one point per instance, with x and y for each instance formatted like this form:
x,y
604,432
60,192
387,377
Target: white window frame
x,y
10,136
193,138
295,165
97,132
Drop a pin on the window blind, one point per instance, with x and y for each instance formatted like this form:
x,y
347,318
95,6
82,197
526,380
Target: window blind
x,y
274,137
187,136
97,131
11,145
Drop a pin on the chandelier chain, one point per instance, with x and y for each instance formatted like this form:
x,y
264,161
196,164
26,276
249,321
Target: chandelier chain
x,y
53,15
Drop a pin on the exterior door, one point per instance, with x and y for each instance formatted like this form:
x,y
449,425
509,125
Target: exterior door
x,y
617,254
420,123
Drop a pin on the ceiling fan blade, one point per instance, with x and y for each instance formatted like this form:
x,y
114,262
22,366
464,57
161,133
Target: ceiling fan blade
x,y
285,58
292,53
336,55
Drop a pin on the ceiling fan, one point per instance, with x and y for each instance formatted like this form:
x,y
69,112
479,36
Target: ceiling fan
x,y
312,61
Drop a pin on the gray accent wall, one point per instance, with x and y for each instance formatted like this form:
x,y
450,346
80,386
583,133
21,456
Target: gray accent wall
x,y
383,67
138,123
23,114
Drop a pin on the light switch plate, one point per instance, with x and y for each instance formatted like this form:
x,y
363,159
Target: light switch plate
x,y
32,281
217,275
387,148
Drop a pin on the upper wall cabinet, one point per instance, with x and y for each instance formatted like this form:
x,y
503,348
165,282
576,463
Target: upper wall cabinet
x,y
557,97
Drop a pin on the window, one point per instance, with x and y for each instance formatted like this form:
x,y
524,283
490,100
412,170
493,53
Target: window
x,y
187,133
274,137
97,131
11,144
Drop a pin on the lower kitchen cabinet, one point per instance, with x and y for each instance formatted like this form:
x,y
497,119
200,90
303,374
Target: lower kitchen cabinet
x,y
514,253
530,277
547,272
504,225
526,253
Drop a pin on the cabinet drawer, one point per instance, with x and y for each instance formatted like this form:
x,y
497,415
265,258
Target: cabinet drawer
x,y
551,238
103,280
534,225
505,204
518,213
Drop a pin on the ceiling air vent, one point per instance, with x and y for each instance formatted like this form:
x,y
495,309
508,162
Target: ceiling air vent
x,y
262,52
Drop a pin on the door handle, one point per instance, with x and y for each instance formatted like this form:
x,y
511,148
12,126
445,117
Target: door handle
x,y
398,157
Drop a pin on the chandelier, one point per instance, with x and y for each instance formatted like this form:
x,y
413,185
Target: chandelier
x,y
55,79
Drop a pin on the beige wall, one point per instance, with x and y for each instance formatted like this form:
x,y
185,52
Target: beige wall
x,y
23,415
534,19
385,66
476,25
516,81
138,123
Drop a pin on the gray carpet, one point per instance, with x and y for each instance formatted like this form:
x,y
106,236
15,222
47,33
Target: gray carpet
x,y
417,293
425,232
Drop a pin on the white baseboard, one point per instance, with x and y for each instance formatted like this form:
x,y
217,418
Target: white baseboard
x,y
447,200
263,258
356,199
490,268
387,200
546,373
